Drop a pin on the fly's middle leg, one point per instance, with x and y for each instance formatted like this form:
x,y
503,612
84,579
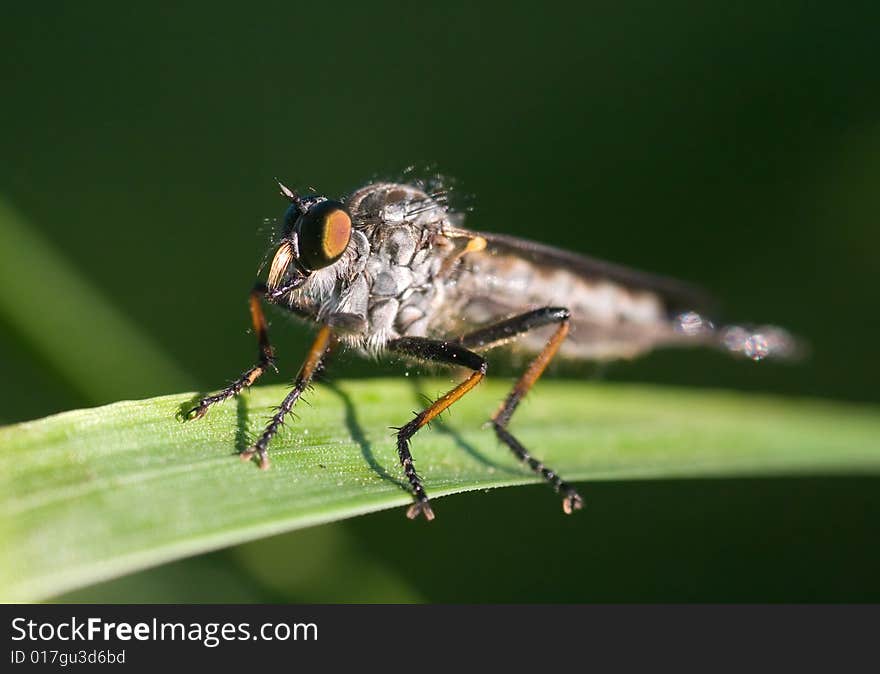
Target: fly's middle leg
x,y
502,332
317,353
447,353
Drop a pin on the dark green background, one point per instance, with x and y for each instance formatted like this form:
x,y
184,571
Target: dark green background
x,y
738,148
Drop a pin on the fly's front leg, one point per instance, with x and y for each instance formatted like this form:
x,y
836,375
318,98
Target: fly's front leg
x,y
322,344
265,361
448,353
502,332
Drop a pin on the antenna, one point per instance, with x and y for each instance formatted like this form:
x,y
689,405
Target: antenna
x,y
291,195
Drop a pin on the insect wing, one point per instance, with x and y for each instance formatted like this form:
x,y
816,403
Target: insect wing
x,y
617,312
676,295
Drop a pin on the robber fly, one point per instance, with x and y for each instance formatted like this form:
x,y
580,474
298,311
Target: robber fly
x,y
392,269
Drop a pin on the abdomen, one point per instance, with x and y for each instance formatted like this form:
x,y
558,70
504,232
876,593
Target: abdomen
x,y
610,319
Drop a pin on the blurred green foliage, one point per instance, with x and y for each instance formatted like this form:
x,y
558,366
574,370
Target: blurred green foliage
x,y
735,146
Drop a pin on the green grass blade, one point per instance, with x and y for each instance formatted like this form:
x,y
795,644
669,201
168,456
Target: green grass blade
x,y
92,494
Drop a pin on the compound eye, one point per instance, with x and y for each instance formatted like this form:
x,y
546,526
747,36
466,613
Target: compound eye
x,y
291,215
324,233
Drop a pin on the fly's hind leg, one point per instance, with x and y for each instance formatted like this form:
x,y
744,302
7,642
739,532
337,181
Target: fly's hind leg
x,y
502,332
266,358
447,353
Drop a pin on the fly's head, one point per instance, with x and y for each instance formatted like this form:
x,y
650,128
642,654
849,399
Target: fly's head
x,y
315,235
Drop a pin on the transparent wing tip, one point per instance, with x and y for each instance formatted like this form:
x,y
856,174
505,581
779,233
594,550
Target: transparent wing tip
x,y
761,342
752,342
